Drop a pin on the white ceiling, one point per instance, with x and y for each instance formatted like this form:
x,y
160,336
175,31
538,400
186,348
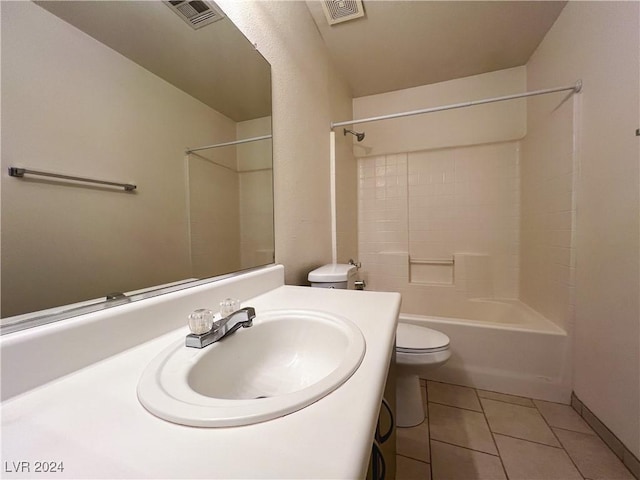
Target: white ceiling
x,y
215,64
403,44
397,44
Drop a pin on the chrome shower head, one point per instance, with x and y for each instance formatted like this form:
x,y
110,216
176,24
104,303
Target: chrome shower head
x,y
359,136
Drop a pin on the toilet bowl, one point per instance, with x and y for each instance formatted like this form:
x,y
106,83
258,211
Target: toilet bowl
x,y
418,349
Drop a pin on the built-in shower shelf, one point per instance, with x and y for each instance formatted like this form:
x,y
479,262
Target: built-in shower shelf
x,y
431,271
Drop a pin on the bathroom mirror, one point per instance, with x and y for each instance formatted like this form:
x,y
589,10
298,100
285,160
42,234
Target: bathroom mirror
x,y
127,92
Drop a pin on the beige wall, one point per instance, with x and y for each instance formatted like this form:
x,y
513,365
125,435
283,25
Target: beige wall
x,y
230,189
255,167
494,122
599,43
346,177
307,94
71,105
213,185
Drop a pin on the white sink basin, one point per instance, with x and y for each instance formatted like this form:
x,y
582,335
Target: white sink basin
x,y
286,361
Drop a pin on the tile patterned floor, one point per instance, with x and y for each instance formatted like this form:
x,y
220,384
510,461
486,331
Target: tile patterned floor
x,y
473,434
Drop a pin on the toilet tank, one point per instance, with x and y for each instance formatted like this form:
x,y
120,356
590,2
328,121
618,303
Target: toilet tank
x,y
335,275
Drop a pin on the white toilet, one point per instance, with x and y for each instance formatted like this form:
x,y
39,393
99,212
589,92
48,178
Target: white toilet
x,y
417,348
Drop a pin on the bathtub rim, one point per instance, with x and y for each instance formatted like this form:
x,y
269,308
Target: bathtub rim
x,y
478,372
541,325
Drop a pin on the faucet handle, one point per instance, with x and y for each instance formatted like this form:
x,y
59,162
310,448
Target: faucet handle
x,y
355,264
228,306
201,321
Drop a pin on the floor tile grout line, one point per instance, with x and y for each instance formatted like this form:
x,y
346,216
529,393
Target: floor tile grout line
x,y
525,439
601,436
504,469
452,384
497,455
493,434
465,448
406,455
468,410
530,441
558,439
504,401
426,411
460,386
594,434
505,394
508,403
533,405
459,408
493,437
486,420
411,458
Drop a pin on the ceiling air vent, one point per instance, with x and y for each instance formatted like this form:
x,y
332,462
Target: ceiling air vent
x,y
338,11
196,13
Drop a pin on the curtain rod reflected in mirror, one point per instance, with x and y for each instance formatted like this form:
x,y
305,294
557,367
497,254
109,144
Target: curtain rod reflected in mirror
x,y
80,95
227,144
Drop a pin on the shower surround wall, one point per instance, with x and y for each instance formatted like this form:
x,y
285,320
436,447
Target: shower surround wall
x,y
437,205
452,193
547,248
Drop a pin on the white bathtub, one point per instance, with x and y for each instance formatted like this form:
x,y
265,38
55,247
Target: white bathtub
x,y
503,346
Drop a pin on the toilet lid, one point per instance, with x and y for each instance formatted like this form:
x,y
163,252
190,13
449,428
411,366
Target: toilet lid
x,y
415,339
334,272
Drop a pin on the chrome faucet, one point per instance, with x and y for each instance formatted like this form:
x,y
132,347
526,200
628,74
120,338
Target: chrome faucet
x,y
239,319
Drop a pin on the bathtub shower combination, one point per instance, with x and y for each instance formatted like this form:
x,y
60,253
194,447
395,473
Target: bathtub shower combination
x,y
443,228
474,226
503,346
497,344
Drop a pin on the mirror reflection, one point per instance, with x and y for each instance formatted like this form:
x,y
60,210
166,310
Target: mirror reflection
x,y
122,91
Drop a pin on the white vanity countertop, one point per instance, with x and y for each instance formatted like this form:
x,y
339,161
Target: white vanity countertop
x,y
92,421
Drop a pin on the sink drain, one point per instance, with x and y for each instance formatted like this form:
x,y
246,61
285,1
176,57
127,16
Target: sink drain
x,y
261,396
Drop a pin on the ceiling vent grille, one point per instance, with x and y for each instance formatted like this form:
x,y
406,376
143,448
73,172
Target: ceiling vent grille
x,y
338,11
196,13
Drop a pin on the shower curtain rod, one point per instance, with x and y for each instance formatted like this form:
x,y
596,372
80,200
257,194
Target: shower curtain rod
x,y
576,89
226,144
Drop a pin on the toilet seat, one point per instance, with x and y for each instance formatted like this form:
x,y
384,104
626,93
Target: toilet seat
x,y
413,339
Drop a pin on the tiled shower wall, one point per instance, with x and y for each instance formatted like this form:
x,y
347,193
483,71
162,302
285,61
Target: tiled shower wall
x,y
493,188
432,205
